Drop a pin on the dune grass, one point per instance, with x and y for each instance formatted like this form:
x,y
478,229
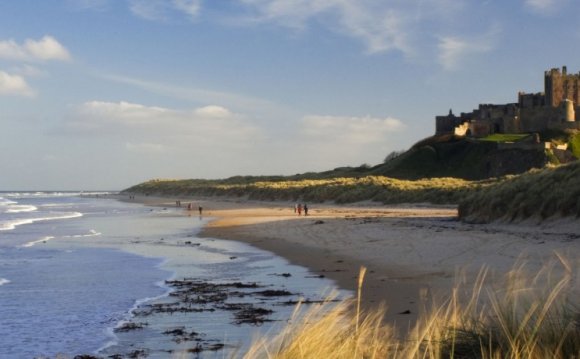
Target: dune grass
x,y
540,194
525,316
339,190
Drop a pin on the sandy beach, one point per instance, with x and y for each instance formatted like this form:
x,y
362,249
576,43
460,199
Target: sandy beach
x,y
410,251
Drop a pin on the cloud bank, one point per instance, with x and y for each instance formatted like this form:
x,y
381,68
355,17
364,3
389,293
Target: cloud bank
x,y
349,130
454,49
14,85
160,10
545,7
170,128
45,49
232,141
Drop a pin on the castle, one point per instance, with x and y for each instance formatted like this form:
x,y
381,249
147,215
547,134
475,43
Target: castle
x,y
557,108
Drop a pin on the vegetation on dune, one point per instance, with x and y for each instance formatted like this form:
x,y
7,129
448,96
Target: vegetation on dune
x,y
505,137
574,144
460,157
419,176
537,194
523,317
340,190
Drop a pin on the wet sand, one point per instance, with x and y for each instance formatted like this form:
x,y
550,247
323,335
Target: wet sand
x,y
410,251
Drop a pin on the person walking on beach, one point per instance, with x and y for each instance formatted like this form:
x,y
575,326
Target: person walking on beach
x,y
299,209
200,210
305,209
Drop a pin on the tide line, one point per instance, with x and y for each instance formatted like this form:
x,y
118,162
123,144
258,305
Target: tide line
x,y
41,240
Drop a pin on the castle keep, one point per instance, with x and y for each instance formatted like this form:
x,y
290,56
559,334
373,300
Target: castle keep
x,y
557,108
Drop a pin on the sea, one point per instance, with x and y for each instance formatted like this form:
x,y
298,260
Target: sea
x,y
84,273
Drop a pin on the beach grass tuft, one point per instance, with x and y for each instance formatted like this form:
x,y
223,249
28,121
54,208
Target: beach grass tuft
x,y
523,315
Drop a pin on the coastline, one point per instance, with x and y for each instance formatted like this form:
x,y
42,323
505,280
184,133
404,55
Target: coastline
x,y
412,253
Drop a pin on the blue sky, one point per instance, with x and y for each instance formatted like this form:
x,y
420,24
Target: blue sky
x,y
103,94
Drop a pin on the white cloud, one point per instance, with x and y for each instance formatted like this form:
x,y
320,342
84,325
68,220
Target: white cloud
x,y
28,71
453,50
189,7
213,111
350,130
14,85
47,48
208,125
545,7
243,102
381,28
159,10
121,114
148,9
381,25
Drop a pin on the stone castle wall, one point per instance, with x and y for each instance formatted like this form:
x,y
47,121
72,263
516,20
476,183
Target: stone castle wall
x,y
556,108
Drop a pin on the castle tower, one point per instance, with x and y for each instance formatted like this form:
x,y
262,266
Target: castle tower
x,y
570,115
559,86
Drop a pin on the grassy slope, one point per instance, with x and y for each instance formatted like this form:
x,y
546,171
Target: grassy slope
x,y
449,156
452,158
541,194
340,190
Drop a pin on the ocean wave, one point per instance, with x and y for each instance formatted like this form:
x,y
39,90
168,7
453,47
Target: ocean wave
x,y
113,339
41,240
60,205
4,281
49,194
92,233
4,201
9,225
21,208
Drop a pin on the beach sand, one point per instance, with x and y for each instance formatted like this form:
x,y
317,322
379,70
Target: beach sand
x,y
411,252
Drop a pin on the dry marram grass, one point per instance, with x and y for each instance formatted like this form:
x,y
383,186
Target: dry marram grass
x,y
526,316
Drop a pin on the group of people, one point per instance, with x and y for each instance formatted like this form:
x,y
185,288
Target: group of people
x,y
190,207
199,208
299,207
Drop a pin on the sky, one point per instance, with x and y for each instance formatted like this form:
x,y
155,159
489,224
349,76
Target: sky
x,y
104,94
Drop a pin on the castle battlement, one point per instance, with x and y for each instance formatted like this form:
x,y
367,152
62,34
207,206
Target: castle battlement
x,y
555,108
560,86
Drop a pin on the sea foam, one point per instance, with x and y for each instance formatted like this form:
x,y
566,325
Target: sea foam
x,y
41,240
21,208
4,281
92,233
9,225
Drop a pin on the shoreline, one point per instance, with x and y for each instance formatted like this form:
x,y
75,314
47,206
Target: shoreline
x,y
204,282
413,253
